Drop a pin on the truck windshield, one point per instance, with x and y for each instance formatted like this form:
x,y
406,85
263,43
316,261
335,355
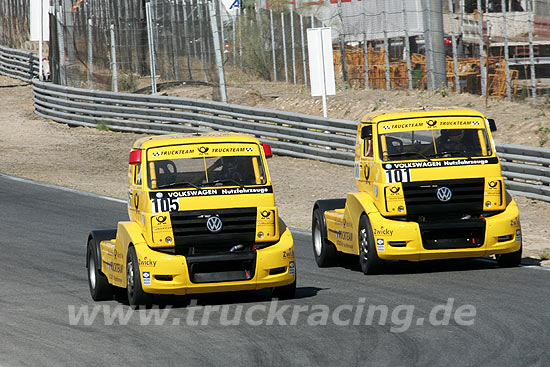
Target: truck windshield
x,y
206,172
434,143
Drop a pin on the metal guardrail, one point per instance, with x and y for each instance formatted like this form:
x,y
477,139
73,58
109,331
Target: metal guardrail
x,y
18,64
526,169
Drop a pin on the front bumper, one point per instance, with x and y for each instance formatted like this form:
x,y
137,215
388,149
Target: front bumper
x,y
169,274
404,241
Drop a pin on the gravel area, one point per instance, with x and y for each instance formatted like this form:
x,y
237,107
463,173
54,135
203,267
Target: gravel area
x,y
96,161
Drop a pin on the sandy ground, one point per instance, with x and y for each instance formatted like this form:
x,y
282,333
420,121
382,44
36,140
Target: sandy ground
x,y
96,161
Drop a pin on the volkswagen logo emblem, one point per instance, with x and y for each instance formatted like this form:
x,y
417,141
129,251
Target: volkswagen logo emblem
x,y
444,194
214,224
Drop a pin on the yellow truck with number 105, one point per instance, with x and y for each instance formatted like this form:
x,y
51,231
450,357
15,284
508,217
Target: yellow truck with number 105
x,y
202,218
429,187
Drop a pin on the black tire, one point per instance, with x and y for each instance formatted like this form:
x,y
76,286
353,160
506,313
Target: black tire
x,y
136,295
285,292
368,255
324,251
510,260
100,289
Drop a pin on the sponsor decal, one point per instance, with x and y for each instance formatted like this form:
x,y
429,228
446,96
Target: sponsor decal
x,y
161,218
514,222
291,268
380,244
518,235
149,263
202,150
146,278
444,194
288,253
214,224
265,214
114,267
445,163
394,189
383,231
173,152
493,184
431,123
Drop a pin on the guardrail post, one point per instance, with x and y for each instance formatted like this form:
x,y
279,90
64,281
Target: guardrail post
x,y
90,56
151,47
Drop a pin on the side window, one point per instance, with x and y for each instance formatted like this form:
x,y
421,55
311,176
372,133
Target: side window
x,y
367,147
137,175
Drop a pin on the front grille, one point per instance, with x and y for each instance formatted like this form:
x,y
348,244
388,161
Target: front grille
x,y
222,268
192,236
455,234
467,197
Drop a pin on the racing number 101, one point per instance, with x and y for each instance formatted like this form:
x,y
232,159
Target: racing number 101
x,y
398,175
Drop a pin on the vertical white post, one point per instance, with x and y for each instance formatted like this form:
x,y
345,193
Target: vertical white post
x,y
90,56
366,60
40,57
273,44
217,51
151,47
284,45
61,47
114,79
386,50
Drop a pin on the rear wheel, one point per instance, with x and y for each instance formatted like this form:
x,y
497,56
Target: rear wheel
x,y
100,289
323,250
368,256
509,260
136,295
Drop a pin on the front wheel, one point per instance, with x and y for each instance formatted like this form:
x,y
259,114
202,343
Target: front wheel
x,y
100,289
285,292
510,260
323,250
368,256
136,295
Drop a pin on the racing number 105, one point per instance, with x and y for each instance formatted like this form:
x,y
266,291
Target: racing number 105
x,y
398,175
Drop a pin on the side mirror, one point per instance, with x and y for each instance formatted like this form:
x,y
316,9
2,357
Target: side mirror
x,y
492,125
366,132
267,150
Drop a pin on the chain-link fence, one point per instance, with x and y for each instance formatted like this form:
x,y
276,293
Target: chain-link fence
x,y
490,47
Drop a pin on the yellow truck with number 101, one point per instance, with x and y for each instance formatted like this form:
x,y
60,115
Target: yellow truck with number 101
x,y
202,218
429,187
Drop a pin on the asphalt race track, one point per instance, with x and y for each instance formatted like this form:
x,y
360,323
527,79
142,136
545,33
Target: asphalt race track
x,y
503,314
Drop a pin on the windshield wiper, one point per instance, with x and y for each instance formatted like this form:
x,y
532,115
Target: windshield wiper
x,y
409,153
224,181
173,184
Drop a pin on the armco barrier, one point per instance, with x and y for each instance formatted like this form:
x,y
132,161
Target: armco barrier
x,y
18,64
331,140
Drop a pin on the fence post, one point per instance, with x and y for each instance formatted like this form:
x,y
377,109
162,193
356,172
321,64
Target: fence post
x,y
506,52
342,44
532,52
217,51
186,40
303,49
482,66
90,56
453,40
114,82
386,51
61,47
284,44
202,45
407,45
293,48
174,40
273,45
366,60
151,47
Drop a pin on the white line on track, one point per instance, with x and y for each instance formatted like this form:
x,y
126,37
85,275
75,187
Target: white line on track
x,y
62,188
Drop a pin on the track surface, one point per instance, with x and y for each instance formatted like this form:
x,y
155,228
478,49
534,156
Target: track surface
x,y
43,274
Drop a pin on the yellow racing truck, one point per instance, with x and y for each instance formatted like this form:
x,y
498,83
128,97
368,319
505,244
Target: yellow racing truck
x,y
429,187
202,218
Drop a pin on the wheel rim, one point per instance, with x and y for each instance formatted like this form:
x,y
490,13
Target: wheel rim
x,y
130,276
317,244
91,271
363,244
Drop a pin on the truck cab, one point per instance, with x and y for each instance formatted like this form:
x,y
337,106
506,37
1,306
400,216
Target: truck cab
x,y
202,218
429,187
